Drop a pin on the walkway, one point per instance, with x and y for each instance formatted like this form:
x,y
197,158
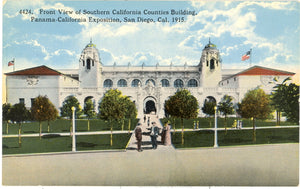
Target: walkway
x,y
146,141
258,165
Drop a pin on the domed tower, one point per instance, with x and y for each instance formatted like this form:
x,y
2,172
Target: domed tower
x,y
210,66
89,67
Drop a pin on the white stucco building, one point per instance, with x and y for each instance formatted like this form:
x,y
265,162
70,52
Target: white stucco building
x,y
147,86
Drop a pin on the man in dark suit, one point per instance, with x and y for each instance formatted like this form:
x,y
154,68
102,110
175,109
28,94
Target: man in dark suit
x,y
153,134
138,136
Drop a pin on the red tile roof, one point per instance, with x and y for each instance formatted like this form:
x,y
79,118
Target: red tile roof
x,y
40,70
258,70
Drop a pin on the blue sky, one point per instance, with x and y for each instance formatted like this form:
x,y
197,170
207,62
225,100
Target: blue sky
x,y
270,28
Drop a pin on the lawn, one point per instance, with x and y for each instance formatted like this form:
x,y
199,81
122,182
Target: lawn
x,y
55,143
236,137
62,125
209,122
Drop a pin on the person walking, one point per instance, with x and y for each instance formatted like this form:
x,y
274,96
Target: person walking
x,y
153,135
138,136
144,118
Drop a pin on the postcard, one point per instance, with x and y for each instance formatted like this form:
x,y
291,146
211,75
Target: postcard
x,y
70,66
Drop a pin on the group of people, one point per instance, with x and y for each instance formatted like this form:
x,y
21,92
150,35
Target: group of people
x,y
154,132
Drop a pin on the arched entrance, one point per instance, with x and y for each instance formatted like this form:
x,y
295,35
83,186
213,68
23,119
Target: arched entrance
x,y
150,105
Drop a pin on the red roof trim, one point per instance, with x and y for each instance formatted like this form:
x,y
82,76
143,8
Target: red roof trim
x,y
40,70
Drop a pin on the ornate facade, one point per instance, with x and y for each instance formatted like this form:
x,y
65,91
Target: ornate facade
x,y
148,86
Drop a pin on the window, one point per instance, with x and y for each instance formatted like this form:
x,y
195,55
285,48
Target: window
x,y
88,64
92,62
32,101
83,63
178,83
108,83
150,80
135,83
212,64
122,83
235,79
192,83
165,83
22,100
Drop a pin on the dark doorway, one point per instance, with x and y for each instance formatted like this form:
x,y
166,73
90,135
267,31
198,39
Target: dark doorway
x,y
150,107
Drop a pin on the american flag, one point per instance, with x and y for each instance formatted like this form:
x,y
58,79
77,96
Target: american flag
x,y
246,56
11,63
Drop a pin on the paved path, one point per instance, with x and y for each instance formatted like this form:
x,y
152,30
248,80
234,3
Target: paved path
x,y
146,140
260,165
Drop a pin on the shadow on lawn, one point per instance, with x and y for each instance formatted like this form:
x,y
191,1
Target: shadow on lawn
x,y
7,147
85,144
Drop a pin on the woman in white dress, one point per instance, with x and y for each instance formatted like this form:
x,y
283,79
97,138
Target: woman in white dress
x,y
167,135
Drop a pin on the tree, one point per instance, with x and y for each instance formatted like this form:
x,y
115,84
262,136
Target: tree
x,y
182,105
285,99
225,106
6,114
89,110
52,115
42,110
209,108
255,105
112,108
66,109
19,113
131,111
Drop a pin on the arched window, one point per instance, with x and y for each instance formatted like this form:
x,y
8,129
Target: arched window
x,y
108,83
150,80
178,83
165,83
193,83
212,64
88,64
135,83
122,83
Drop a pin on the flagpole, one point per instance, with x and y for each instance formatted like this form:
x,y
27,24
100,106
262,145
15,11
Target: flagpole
x,y
14,63
250,57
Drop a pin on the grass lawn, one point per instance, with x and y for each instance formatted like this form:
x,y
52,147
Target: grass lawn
x,y
236,137
63,144
209,122
62,125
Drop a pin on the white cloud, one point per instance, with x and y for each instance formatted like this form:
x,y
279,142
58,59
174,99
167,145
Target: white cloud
x,y
11,16
148,59
165,43
228,50
47,54
60,51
